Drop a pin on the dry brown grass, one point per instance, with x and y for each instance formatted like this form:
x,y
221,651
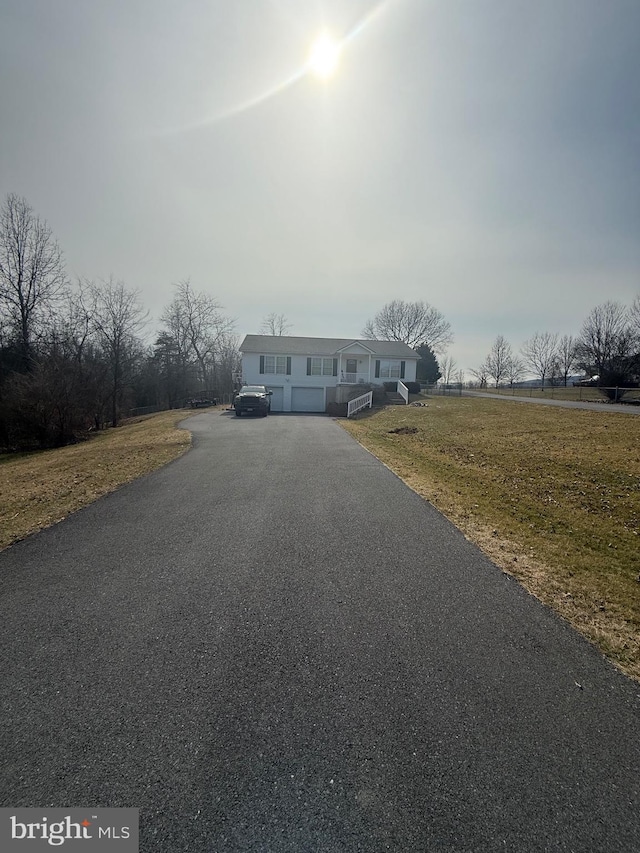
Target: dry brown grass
x,y
551,495
39,489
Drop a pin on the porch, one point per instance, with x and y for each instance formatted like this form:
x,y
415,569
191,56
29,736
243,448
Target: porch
x,y
347,378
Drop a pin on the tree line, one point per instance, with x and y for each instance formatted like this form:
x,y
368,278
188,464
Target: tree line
x,y
606,352
73,355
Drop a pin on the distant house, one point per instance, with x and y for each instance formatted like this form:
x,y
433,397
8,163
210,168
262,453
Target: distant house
x,y
306,374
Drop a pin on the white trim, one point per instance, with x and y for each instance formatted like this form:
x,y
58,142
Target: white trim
x,y
355,344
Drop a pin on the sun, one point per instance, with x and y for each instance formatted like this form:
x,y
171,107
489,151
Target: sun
x,y
324,56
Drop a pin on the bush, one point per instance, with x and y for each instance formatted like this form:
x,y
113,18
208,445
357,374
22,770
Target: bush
x,y
615,383
413,387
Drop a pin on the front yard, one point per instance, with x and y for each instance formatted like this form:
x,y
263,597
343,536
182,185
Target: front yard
x,y
551,495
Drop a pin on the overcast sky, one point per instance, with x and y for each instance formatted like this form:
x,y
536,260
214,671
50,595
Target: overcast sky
x,y
481,155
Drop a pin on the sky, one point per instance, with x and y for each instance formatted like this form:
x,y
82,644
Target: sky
x,y
480,155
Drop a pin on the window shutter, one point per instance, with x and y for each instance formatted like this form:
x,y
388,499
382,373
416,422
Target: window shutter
x,y
335,366
308,367
377,368
288,365
402,364
261,364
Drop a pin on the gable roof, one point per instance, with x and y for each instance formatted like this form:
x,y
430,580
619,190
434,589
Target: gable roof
x,y
286,345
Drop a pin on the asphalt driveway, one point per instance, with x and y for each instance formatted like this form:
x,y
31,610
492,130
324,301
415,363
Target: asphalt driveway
x,y
604,406
273,645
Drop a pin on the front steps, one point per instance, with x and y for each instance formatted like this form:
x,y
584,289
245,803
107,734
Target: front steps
x,y
394,399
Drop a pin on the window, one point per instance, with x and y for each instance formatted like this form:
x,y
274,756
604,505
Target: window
x,y
322,366
276,364
389,369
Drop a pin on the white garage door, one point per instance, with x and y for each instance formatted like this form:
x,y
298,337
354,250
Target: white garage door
x,y
307,399
277,398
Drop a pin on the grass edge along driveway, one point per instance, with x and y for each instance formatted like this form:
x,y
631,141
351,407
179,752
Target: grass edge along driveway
x,y
42,488
552,496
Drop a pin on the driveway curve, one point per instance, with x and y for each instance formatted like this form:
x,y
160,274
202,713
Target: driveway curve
x,y
272,644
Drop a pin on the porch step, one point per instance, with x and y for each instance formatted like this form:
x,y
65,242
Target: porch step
x,y
394,399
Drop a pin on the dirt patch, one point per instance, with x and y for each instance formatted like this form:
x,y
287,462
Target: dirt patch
x,y
405,430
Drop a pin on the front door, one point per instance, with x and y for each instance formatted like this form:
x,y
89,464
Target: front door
x,y
352,370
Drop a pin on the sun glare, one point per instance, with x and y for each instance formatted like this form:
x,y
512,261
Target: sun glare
x,y
324,56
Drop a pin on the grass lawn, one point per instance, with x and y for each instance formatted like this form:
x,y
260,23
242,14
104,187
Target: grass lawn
x,y
551,495
41,488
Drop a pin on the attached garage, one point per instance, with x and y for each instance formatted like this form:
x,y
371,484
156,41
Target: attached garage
x,y
277,398
307,400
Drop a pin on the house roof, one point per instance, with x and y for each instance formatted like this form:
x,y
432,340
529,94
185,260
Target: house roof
x,y
286,345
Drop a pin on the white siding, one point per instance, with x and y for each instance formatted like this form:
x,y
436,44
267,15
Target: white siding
x,y
277,398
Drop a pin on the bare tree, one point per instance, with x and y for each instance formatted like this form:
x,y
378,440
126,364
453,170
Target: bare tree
x,y
634,318
498,361
117,318
275,324
447,369
566,357
605,346
480,374
369,331
32,272
413,323
196,322
540,353
515,370
173,353
54,401
228,364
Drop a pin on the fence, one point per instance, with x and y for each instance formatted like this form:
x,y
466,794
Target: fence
x,y
221,399
579,393
364,401
441,388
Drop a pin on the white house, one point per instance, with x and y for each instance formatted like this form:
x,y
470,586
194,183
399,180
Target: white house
x,y
306,374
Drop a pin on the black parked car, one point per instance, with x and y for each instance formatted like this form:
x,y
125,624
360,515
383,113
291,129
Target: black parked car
x,y
253,399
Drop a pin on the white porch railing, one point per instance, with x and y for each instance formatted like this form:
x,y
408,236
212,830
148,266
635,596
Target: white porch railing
x,y
353,378
362,402
403,391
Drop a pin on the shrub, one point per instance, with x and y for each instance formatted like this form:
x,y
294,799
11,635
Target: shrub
x,y
413,387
